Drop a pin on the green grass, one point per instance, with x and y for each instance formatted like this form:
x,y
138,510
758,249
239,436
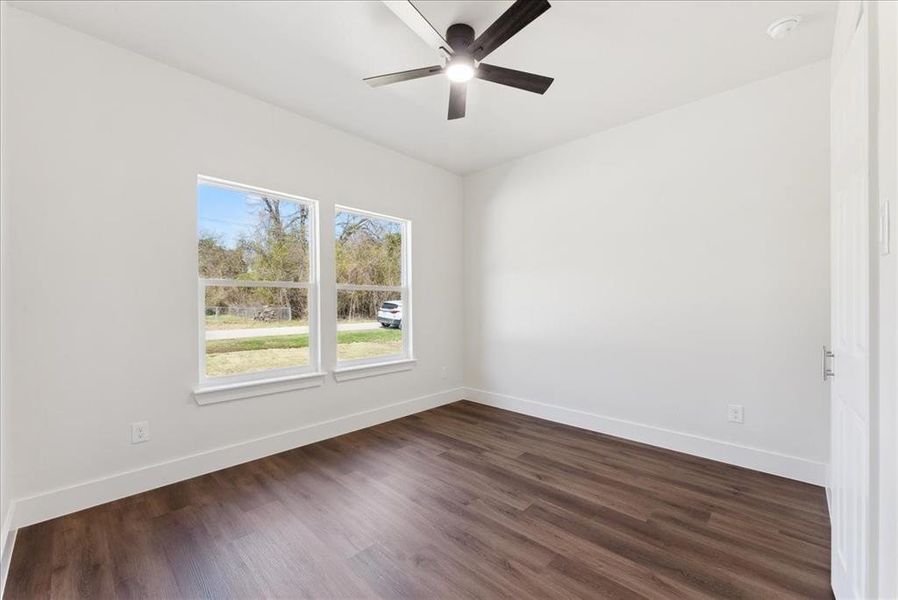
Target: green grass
x,y
277,342
369,335
233,363
368,349
248,355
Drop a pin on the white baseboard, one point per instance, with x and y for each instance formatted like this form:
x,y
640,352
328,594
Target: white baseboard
x,y
55,503
7,541
829,503
775,463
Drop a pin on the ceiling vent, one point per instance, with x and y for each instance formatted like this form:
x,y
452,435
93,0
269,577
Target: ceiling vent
x,y
783,27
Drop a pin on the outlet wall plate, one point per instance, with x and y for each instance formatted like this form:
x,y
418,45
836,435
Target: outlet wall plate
x,y
735,413
140,432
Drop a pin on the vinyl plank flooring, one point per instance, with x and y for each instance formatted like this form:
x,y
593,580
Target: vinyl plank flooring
x,y
462,501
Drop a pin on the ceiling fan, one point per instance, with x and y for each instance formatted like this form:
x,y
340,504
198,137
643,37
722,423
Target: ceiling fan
x,y
463,52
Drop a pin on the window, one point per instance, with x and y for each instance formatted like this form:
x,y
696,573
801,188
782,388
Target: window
x,y
373,288
257,284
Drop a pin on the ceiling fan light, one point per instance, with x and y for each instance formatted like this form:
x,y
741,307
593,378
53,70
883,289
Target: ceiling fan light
x,y
460,69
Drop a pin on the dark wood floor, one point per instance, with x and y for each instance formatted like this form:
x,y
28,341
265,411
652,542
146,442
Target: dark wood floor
x,y
457,502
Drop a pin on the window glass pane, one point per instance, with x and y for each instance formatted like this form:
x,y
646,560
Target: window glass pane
x,y
245,235
369,324
369,250
255,329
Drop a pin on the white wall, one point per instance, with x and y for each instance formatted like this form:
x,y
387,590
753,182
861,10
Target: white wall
x,y
639,280
104,150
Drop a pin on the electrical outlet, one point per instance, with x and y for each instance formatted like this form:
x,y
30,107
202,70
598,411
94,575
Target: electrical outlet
x,y
444,373
734,413
140,432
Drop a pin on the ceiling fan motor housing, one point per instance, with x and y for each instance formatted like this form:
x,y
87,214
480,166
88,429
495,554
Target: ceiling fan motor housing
x,y
460,36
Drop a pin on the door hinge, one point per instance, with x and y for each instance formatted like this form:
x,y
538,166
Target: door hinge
x,y
829,363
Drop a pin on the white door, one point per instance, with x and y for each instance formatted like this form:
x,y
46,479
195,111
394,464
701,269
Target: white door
x,y
850,391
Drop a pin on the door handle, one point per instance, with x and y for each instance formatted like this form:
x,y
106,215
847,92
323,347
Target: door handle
x,y
827,370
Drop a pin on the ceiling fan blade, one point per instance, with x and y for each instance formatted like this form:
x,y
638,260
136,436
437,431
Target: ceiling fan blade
x,y
538,84
518,16
415,21
379,80
458,92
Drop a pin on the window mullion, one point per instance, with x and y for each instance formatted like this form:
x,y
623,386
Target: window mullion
x,y
255,283
353,287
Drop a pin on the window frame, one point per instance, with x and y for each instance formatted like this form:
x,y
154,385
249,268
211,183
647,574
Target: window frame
x,y
229,383
406,357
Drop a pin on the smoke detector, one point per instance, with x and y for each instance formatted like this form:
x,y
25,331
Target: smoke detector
x,y
783,27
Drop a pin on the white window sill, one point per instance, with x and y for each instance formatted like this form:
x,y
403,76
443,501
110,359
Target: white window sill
x,y
372,370
210,394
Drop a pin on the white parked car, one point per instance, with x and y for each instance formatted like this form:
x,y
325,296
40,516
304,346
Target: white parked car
x,y
390,314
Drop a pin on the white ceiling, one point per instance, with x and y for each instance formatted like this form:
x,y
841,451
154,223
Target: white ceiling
x,y
613,62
